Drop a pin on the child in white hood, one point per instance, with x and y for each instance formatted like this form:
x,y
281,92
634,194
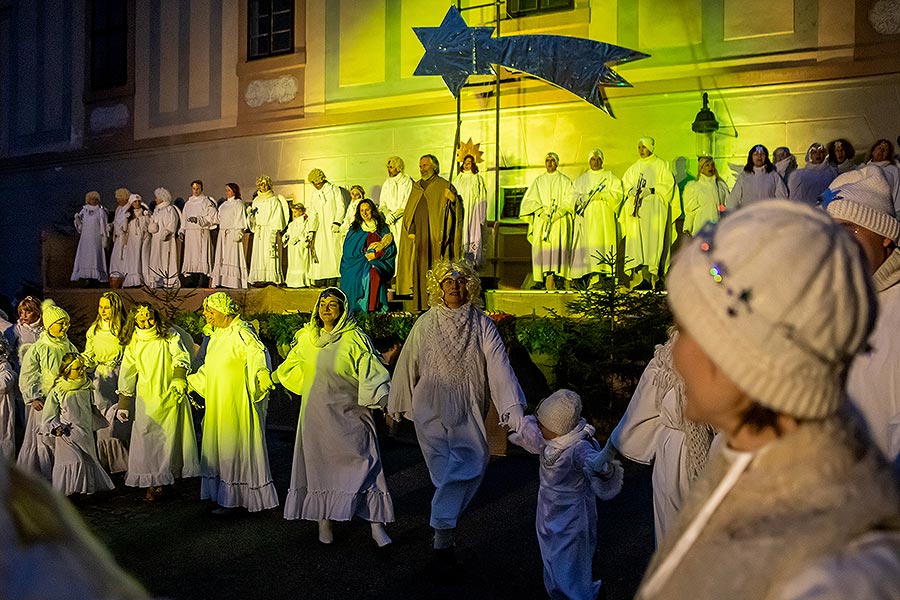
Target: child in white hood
x,y
574,470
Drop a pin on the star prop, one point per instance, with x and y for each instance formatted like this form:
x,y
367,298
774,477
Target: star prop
x,y
454,51
469,149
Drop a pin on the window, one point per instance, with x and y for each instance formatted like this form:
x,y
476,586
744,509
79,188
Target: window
x,y
527,8
109,44
270,28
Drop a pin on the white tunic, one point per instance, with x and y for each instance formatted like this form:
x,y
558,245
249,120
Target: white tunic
x,y
230,266
649,236
117,256
161,269
327,208
599,197
197,242
548,208
90,258
268,216
873,383
76,468
702,201
163,445
336,473
234,460
470,187
449,362
395,193
136,249
758,185
805,185
299,260
40,367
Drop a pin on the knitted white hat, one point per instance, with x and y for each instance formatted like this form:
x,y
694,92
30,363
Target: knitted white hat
x,y
559,412
864,197
51,313
779,297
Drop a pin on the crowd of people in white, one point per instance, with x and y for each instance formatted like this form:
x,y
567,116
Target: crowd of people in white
x,y
771,416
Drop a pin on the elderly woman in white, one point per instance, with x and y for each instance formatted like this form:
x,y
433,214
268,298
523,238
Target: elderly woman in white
x,y
452,356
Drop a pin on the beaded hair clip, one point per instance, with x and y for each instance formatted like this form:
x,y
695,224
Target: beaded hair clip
x,y
740,298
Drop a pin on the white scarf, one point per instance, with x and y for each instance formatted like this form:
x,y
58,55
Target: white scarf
x,y
554,448
451,352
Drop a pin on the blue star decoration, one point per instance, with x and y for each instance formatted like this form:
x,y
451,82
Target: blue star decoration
x,y
454,51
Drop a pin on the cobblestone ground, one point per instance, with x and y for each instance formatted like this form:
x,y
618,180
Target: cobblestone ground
x,y
177,549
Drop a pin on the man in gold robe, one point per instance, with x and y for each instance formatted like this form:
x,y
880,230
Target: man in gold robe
x,y
432,230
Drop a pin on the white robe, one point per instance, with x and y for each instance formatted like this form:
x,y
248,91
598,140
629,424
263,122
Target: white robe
x,y
652,431
40,367
234,460
549,203
337,472
12,411
873,383
448,405
758,185
103,352
596,227
197,242
268,216
90,258
117,256
161,268
299,266
395,193
230,265
649,236
136,250
566,520
805,185
163,445
702,199
327,209
76,468
471,188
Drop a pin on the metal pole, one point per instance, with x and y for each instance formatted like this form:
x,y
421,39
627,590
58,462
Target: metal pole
x,y
497,151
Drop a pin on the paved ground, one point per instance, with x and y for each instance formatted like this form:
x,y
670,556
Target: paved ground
x,y
177,549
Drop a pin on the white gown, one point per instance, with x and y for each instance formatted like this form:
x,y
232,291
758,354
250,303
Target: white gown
x,y
549,202
136,250
234,460
336,472
702,199
103,351
230,266
163,445
650,234
596,228
117,256
327,208
268,216
90,258
299,260
392,204
161,268
471,188
449,362
12,411
198,257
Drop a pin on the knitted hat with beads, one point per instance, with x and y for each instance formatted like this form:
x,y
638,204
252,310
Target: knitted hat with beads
x,y
778,296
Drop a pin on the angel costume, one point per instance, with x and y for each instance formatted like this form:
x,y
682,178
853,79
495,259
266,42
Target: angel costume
x,y
230,265
473,192
163,445
598,200
234,461
268,216
548,207
103,351
337,472
199,217
161,268
90,258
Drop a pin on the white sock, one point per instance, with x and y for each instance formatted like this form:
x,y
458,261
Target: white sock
x,y
380,535
443,538
325,535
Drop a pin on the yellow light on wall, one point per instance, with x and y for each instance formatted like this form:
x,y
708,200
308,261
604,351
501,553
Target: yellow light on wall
x,y
705,126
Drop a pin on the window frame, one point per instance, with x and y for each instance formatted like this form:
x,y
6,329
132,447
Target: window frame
x,y
253,19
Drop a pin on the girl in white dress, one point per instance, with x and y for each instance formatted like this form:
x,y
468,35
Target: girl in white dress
x,y
103,353
69,416
297,241
152,384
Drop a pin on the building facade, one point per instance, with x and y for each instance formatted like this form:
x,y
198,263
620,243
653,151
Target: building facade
x,y
101,94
